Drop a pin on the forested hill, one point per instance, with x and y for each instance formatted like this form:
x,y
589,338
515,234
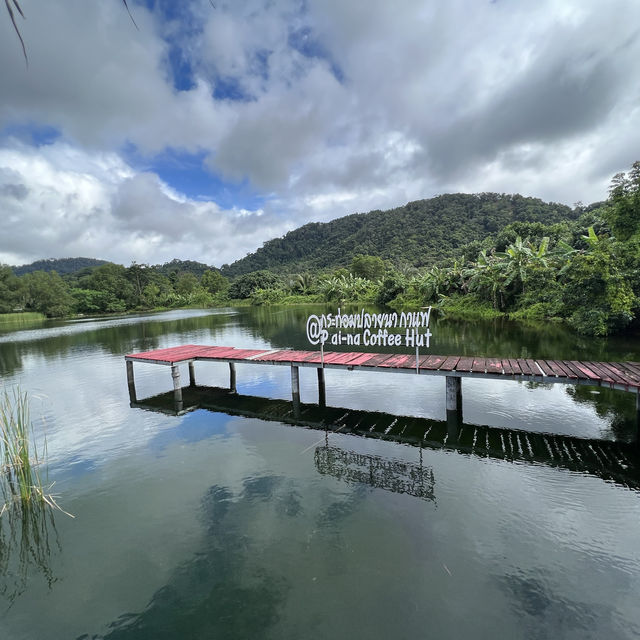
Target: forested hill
x,y
418,233
62,266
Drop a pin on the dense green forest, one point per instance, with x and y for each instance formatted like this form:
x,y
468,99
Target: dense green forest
x,y
61,266
502,255
418,234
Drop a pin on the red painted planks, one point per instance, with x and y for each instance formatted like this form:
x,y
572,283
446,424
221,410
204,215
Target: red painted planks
x,y
494,366
557,369
432,363
243,354
449,364
408,362
617,375
535,370
515,367
583,373
361,359
628,373
339,358
506,366
394,360
272,356
377,359
524,367
602,373
464,364
546,369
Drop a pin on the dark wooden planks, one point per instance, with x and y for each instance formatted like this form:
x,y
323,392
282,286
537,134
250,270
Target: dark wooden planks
x,y
506,367
563,369
582,372
494,366
546,369
535,369
464,364
432,363
479,365
449,364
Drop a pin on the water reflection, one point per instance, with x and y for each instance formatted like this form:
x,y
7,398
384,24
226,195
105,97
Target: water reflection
x,y
610,460
391,475
28,540
117,336
226,589
498,338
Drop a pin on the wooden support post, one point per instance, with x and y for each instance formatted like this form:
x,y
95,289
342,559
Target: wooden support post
x,y
295,390
232,378
454,407
177,386
131,382
192,375
638,419
322,395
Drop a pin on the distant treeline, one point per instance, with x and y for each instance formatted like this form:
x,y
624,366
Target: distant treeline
x,y
110,288
578,265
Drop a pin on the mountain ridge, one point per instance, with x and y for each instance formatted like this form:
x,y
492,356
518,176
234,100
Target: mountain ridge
x,y
419,233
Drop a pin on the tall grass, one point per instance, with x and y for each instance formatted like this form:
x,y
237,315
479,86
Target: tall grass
x,y
26,514
20,460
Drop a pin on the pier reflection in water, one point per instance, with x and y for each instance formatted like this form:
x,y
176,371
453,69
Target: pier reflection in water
x,y
610,460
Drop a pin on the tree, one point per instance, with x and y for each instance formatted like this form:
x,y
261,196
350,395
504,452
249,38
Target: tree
x,y
186,284
214,281
369,267
623,210
244,286
9,289
48,293
597,296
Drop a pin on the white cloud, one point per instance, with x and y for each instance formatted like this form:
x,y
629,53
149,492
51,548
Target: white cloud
x,y
59,201
342,109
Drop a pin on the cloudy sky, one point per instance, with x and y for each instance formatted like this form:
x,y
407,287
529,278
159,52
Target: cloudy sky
x,y
211,128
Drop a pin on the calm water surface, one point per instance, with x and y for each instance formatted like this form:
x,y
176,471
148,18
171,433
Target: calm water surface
x,y
211,525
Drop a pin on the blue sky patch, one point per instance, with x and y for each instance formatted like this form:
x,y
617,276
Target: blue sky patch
x,y
186,172
34,135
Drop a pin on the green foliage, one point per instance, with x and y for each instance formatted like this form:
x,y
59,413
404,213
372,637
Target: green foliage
x,y
623,212
174,268
418,234
214,281
468,306
244,286
47,293
597,297
345,288
62,266
10,290
368,267
392,285
267,296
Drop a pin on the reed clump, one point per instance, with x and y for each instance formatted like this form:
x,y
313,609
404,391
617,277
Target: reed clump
x,y
20,460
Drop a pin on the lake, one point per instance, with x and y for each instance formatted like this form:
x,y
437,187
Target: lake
x,y
233,522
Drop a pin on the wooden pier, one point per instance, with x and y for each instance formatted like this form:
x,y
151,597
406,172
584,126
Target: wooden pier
x,y
624,376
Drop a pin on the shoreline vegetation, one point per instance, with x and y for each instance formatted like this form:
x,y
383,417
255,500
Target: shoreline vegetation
x,y
583,270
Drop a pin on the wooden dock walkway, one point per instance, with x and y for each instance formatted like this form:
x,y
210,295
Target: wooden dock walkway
x,y
624,376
